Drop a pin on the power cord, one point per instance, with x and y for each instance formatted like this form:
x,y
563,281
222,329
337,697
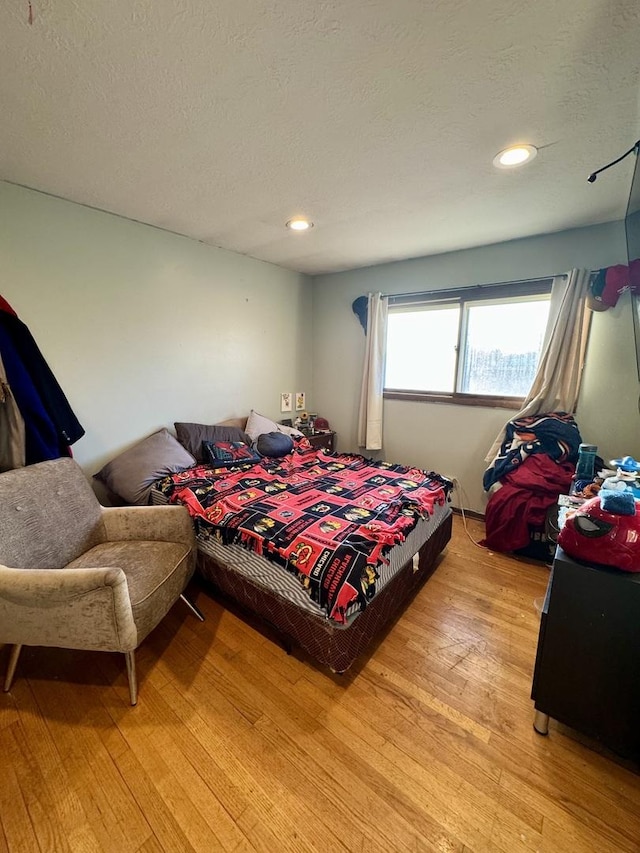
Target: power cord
x,y
457,487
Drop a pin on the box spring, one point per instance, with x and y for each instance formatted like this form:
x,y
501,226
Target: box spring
x,y
328,643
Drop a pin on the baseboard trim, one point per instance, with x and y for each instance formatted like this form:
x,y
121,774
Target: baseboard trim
x,y
470,513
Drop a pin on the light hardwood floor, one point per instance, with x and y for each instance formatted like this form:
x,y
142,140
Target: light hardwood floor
x,y
427,744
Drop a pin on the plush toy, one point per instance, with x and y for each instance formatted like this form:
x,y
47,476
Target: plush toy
x,y
587,488
617,502
614,484
592,534
591,490
627,463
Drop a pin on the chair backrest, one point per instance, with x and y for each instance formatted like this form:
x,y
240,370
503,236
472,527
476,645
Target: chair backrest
x,y
49,515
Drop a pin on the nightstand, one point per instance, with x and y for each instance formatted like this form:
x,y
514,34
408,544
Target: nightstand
x,y
322,440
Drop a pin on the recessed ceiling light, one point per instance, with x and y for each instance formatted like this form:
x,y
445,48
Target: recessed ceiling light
x,y
517,155
299,224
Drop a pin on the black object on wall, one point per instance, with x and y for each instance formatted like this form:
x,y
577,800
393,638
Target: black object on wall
x,y
360,307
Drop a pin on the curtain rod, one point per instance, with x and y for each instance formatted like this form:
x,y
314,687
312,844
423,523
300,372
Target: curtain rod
x,y
472,287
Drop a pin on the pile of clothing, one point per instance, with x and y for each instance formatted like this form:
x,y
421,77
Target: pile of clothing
x,y
535,464
36,420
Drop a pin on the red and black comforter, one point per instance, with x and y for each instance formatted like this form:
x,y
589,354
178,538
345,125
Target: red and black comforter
x,y
327,517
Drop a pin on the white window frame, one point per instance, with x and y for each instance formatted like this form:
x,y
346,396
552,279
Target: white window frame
x,y
464,298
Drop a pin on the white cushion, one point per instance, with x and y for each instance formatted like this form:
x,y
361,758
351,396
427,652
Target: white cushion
x,y
257,425
289,430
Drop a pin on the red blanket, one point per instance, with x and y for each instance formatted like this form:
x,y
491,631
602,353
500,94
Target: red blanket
x,y
328,518
526,495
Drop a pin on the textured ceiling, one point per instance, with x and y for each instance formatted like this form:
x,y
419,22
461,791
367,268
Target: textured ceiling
x,y
378,119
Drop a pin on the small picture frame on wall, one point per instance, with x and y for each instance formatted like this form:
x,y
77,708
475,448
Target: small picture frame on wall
x,y
300,401
286,401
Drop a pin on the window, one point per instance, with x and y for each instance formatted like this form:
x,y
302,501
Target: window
x,y
480,346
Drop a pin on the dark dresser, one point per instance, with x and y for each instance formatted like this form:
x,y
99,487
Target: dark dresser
x,y
587,669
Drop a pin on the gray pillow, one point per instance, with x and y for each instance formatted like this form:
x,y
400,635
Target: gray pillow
x,y
191,436
131,474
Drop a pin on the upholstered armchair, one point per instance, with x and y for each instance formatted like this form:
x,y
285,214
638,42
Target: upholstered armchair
x,y
76,575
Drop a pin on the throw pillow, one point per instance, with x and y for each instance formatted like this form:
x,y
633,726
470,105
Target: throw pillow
x,y
191,436
292,431
257,425
131,474
223,454
274,444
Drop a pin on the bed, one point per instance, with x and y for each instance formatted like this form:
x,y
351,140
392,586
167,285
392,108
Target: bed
x,y
325,548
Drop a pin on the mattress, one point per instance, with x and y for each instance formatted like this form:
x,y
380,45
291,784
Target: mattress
x,y
264,573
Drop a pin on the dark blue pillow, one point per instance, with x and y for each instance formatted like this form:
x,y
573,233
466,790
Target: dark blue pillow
x,y
274,444
225,454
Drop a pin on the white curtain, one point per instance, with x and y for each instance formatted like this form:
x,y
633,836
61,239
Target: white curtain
x,y
371,401
557,382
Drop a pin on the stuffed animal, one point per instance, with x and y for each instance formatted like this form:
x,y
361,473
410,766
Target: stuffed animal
x,y
591,490
592,534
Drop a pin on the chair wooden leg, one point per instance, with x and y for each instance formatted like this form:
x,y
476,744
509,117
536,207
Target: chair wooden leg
x,y
131,672
192,607
11,669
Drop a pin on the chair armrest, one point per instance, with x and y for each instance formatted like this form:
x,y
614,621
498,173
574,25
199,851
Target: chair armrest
x,y
149,523
85,608
47,588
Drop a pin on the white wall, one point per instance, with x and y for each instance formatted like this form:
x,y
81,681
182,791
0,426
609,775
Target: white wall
x,y
455,439
142,327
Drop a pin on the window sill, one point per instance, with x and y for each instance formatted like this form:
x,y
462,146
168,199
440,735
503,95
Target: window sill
x,y
486,400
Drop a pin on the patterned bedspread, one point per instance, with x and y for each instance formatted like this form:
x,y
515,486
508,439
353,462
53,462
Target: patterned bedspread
x,y
329,518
